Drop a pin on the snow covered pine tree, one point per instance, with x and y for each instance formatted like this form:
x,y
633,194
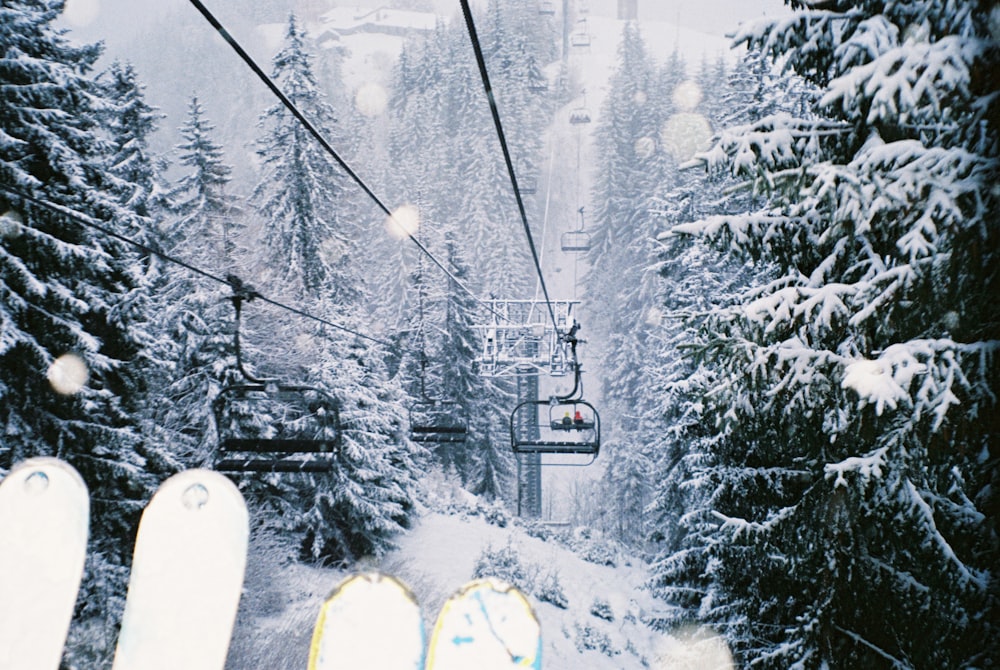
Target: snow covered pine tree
x,y
854,489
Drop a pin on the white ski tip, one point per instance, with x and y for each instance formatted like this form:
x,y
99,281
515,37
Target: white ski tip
x,y
372,621
187,576
488,625
44,516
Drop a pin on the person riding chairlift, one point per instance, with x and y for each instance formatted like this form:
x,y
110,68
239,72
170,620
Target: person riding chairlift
x,y
577,417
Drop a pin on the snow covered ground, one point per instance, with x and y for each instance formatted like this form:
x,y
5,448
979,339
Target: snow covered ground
x,y
601,627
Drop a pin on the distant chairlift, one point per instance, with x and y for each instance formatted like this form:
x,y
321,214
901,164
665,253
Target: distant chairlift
x,y
580,115
576,240
546,8
580,37
264,425
527,182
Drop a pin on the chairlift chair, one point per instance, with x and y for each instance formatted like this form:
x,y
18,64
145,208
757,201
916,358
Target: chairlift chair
x,y
579,115
546,8
580,37
274,427
438,422
528,185
576,240
565,424
264,425
556,427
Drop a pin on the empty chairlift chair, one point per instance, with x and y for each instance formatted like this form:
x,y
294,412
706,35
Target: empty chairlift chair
x,y
438,422
264,425
576,240
581,36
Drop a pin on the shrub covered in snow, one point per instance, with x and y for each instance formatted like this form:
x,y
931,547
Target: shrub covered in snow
x,y
505,563
601,608
590,638
595,548
550,590
493,512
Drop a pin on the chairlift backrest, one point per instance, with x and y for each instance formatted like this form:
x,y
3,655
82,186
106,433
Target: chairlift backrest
x,y
438,422
273,427
575,240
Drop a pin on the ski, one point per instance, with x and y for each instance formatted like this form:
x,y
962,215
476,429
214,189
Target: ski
x,y
44,516
488,625
370,620
187,575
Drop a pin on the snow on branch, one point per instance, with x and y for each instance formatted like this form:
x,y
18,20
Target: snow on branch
x,y
925,515
866,467
741,526
887,380
912,82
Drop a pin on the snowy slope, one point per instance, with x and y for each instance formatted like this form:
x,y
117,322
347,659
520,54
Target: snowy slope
x,y
281,598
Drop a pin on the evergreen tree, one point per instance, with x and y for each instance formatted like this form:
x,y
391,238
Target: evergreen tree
x,y
203,229
312,245
855,470
197,318
68,290
307,221
63,284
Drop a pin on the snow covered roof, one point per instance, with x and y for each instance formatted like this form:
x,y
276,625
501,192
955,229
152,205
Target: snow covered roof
x,y
355,20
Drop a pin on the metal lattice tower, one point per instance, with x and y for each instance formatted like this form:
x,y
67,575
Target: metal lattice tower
x,y
519,338
529,466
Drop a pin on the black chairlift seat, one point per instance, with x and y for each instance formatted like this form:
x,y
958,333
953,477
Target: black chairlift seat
x,y
438,422
272,427
555,427
576,240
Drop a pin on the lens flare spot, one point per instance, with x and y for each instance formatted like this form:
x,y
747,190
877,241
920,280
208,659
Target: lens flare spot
x,y
332,250
10,224
645,147
687,95
685,134
404,222
80,13
371,99
693,647
68,374
305,343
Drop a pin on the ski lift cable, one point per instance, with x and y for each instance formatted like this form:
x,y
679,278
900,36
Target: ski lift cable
x,y
311,129
545,217
89,222
484,75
